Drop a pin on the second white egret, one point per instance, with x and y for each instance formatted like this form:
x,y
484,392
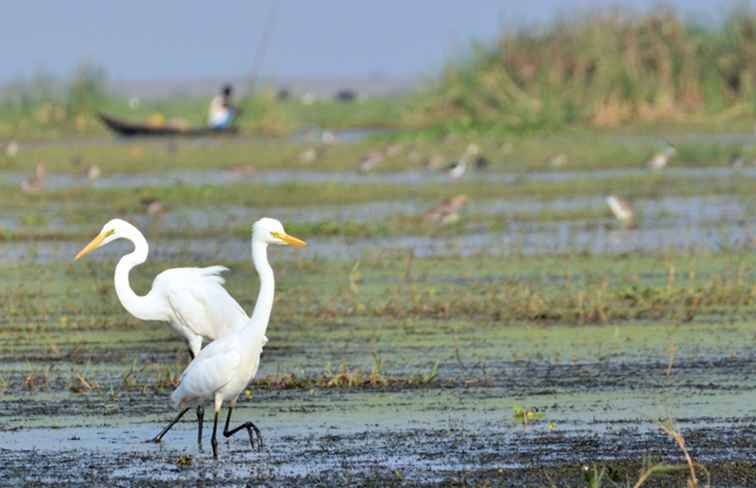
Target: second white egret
x,y
222,370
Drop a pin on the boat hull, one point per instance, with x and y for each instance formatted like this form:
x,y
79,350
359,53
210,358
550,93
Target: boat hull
x,y
130,129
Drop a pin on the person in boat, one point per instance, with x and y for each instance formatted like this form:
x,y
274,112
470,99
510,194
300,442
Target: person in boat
x,y
222,112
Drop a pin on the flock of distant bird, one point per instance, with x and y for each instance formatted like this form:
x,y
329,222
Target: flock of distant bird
x,y
36,182
446,212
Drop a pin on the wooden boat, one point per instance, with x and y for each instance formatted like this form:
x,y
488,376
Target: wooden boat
x,y
131,129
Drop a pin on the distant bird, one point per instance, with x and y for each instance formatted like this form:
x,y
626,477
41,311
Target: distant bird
x,y
93,172
394,150
11,149
622,210
737,160
328,137
311,154
371,160
471,156
557,160
457,169
36,183
152,206
447,212
661,159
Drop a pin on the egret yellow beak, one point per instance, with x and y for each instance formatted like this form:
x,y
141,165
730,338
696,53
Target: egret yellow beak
x,y
290,240
96,242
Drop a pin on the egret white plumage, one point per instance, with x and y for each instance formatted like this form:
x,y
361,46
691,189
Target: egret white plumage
x,y
192,300
222,370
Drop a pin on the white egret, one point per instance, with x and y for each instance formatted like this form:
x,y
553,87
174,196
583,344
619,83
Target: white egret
x,y
192,300
222,370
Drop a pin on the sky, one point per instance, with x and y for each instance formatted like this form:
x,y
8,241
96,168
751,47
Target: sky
x,y
191,39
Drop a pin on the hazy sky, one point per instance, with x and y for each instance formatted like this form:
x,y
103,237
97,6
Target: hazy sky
x,y
167,39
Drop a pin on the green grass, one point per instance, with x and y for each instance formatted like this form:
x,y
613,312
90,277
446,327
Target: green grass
x,y
501,290
583,150
602,68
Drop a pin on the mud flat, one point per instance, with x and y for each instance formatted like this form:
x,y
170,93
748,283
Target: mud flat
x,y
598,409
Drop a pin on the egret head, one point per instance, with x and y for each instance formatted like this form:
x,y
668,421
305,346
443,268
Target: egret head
x,y
114,229
271,231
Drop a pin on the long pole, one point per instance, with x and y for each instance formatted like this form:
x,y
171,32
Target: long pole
x,y
264,42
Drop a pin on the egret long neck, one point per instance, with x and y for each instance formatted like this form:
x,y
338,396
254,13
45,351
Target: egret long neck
x,y
140,307
264,305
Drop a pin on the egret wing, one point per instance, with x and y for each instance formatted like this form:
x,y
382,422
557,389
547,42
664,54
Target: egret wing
x,y
207,373
199,301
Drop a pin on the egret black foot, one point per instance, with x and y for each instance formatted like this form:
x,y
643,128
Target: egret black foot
x,y
255,437
254,433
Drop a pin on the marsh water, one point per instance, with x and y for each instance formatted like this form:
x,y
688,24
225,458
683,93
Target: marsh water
x,y
597,387
82,390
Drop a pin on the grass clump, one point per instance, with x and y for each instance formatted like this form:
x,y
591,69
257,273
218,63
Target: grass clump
x,y
604,69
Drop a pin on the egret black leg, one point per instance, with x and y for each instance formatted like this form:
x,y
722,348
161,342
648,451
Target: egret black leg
x,y
200,418
191,354
214,440
252,431
168,427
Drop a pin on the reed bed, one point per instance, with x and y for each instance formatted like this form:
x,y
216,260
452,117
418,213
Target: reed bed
x,y
602,69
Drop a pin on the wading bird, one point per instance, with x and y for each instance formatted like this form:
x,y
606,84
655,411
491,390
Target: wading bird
x,y
557,160
622,210
93,172
661,159
192,300
370,160
472,156
222,370
152,206
447,212
36,183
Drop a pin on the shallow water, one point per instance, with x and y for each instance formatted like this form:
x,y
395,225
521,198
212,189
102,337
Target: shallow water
x,y
519,238
609,393
226,177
